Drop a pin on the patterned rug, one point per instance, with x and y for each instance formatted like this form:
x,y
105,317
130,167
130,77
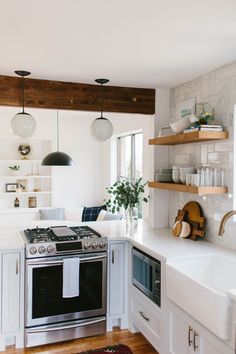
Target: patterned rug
x,y
119,349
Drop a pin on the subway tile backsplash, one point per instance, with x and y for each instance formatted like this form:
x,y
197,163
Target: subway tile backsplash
x,y
219,89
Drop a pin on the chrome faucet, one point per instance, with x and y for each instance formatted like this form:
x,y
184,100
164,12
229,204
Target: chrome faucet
x,y
224,220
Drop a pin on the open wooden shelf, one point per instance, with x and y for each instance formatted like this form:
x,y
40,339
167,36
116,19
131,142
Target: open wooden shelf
x,y
188,189
186,138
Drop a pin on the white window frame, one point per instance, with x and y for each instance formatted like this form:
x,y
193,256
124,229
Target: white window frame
x,y
133,167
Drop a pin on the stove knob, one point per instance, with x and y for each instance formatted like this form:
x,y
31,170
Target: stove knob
x,y
95,245
50,249
42,249
87,246
33,250
102,244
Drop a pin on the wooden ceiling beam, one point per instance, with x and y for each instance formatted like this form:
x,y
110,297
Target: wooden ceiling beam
x,y
75,96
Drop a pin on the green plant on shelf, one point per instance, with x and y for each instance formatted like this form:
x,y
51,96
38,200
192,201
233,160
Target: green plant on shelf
x,y
14,167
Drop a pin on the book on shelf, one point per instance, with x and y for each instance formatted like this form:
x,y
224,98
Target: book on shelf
x,y
204,127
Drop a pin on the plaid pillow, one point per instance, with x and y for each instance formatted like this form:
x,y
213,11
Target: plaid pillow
x,y
91,214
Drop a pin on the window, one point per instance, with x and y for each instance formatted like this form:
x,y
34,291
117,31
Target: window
x,y
130,156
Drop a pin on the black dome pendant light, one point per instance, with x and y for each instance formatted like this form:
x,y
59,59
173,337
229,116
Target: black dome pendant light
x,y
57,158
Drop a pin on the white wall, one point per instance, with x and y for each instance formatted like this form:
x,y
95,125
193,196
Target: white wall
x,y
218,88
84,183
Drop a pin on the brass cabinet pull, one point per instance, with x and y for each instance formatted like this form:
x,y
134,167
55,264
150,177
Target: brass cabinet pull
x,y
195,346
190,341
144,316
112,256
17,267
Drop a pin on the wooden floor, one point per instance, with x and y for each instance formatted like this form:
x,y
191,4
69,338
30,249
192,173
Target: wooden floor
x,y
137,343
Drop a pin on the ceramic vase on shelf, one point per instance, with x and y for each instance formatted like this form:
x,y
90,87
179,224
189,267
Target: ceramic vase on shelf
x,y
131,215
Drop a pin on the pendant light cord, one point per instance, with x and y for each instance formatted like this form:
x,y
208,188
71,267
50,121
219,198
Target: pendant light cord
x,y
23,94
101,100
57,132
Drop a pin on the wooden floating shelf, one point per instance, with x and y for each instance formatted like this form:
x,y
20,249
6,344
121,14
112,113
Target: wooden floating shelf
x,y
186,138
188,189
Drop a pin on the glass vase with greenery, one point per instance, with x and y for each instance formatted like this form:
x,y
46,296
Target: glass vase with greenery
x,y
126,194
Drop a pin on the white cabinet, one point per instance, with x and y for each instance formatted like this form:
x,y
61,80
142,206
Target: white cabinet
x,y
11,292
117,285
186,336
146,317
12,304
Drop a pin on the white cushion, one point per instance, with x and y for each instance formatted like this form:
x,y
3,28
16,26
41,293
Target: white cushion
x,y
101,215
74,214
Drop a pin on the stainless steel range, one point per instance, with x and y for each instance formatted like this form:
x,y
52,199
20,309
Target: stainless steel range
x,y
50,316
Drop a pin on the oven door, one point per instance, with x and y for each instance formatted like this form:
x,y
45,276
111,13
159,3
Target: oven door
x,y
44,301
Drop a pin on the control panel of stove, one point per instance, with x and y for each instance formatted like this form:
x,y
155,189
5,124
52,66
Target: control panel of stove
x,y
49,242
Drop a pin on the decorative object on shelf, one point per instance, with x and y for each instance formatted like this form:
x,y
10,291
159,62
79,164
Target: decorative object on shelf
x,y
23,185
184,109
101,128
24,150
37,185
190,222
16,203
11,187
57,158
205,113
126,194
23,124
14,170
32,202
165,131
180,125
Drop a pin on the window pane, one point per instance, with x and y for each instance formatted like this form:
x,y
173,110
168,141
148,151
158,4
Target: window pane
x,y
125,156
138,154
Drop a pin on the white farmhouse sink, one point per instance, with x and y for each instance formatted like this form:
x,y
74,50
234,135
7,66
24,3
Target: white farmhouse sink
x,y
199,285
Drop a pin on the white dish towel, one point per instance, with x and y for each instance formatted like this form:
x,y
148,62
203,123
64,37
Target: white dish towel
x,y
71,277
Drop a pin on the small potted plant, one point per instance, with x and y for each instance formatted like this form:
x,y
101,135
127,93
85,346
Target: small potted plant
x,y
14,170
126,194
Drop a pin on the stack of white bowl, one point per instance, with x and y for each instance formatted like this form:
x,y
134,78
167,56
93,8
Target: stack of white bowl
x,y
179,173
183,173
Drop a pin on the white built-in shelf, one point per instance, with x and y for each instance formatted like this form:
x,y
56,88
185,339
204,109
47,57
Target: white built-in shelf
x,y
18,160
25,193
22,210
24,177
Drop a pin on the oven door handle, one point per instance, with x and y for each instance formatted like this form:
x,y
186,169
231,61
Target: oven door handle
x,y
52,263
56,328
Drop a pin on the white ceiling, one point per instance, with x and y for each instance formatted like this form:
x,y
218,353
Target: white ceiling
x,y
143,43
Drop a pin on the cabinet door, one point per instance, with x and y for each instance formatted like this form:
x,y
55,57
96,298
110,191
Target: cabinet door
x,y
181,335
209,347
10,292
116,278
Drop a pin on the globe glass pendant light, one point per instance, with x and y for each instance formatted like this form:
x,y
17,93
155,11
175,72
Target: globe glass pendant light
x,y
23,124
101,128
57,158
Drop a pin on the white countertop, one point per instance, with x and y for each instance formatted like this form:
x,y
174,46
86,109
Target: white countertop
x,y
157,242
10,240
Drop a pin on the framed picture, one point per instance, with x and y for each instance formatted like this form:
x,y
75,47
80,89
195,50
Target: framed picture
x,y
185,108
11,187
